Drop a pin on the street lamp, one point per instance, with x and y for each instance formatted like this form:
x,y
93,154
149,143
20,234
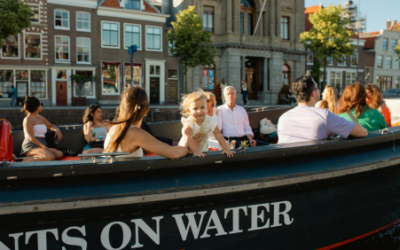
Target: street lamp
x,y
131,51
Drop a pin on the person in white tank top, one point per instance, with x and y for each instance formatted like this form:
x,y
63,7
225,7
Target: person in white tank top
x,y
94,129
125,134
35,127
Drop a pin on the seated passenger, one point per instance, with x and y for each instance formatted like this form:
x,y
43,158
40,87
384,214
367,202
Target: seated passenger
x,y
35,127
233,121
94,129
375,101
329,99
195,120
211,104
307,123
125,134
353,102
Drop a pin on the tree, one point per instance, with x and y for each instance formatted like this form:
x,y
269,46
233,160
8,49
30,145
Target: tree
x,y
81,79
14,16
397,50
329,36
190,43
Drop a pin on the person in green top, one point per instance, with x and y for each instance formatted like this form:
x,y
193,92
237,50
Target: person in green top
x,y
353,103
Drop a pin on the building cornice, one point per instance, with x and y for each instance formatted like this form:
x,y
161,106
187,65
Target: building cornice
x,y
264,48
132,14
92,4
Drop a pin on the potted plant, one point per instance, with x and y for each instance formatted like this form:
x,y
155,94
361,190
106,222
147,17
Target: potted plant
x,y
80,81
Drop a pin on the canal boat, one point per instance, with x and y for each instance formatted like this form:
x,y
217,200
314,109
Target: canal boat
x,y
314,195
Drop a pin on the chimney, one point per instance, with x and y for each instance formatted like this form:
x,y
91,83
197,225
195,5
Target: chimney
x,y
388,24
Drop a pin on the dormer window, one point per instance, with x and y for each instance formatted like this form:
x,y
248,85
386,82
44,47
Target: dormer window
x,y
132,4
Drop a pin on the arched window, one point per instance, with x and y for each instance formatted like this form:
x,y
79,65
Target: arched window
x,y
286,74
247,17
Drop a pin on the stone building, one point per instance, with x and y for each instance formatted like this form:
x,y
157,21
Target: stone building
x,y
256,40
24,59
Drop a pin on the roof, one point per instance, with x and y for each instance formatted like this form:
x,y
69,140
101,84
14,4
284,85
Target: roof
x,y
369,42
313,9
148,7
111,3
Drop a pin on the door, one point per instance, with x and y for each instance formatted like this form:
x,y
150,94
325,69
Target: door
x,y
252,78
61,93
154,90
172,91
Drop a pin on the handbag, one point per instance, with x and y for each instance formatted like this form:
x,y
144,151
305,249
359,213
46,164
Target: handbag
x,y
267,127
96,144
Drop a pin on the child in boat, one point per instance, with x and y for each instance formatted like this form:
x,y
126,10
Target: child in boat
x,y
195,120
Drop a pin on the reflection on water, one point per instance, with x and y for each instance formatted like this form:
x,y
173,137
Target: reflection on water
x,y
388,239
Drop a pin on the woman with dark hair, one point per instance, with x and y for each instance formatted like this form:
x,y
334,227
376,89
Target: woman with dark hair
x,y
125,134
375,101
93,129
353,103
35,127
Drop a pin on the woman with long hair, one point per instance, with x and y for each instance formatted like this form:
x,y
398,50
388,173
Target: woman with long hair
x,y
375,101
125,134
211,104
353,102
35,128
329,99
93,129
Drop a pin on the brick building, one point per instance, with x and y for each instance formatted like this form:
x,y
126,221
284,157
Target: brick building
x,y
24,58
266,55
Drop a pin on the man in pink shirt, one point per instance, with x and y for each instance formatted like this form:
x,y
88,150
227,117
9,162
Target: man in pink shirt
x,y
233,120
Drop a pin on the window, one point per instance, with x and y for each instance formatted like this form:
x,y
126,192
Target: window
x,y
153,38
379,63
384,82
247,17
208,19
35,17
137,74
388,63
385,44
110,78
6,81
368,74
285,28
62,49
61,19
351,77
38,83
354,58
396,63
82,21
342,61
132,4
393,44
208,78
87,88
110,34
33,46
10,47
61,74
329,60
83,50
310,57
132,35
335,79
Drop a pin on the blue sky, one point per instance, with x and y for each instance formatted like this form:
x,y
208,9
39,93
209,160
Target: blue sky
x,y
378,12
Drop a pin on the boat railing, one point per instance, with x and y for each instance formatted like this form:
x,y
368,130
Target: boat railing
x,y
95,156
73,126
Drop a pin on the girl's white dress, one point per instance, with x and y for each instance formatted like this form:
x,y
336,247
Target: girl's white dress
x,y
209,124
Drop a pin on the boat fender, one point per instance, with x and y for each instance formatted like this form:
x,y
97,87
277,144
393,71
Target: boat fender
x,y
6,145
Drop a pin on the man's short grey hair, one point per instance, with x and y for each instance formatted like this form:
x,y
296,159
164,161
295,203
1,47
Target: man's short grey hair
x,y
227,88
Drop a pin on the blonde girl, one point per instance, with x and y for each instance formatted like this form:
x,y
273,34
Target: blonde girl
x,y
195,120
329,99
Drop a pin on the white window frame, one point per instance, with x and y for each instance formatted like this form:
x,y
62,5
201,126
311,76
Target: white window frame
x,y
74,94
351,58
55,50
19,50
41,47
343,63
140,35
141,74
377,62
387,44
161,38
396,63
90,51
340,78
90,22
386,66
119,36
140,8
119,79
329,62
310,54
69,20
32,4
352,80
29,80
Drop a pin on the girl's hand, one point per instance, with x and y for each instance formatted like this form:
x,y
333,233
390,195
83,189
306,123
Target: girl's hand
x,y
58,134
228,153
199,154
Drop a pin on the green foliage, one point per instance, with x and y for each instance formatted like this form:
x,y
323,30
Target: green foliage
x,y
14,16
329,36
316,71
81,79
191,44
